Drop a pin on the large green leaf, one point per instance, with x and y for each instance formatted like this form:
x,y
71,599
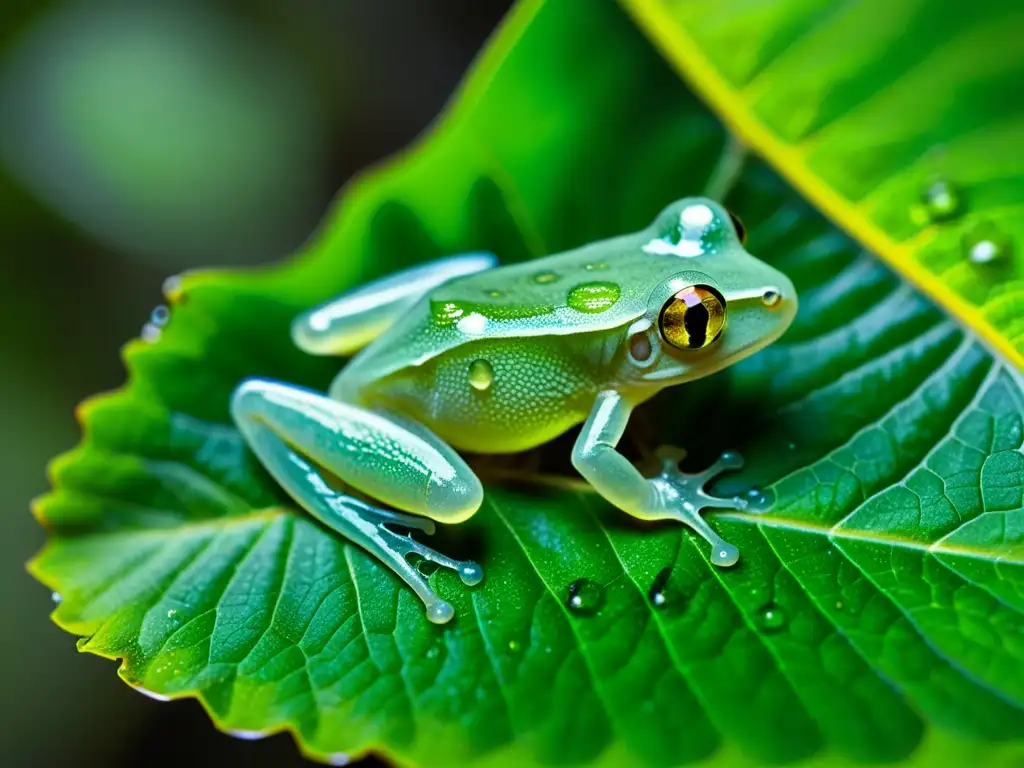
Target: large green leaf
x,y
901,119
876,614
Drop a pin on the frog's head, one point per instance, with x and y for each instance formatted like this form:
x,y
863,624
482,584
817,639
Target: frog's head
x,y
720,307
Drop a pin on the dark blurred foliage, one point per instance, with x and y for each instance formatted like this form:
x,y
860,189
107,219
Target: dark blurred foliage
x,y
135,144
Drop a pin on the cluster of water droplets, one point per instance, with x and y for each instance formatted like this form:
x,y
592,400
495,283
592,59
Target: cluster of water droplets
x,y
152,330
941,201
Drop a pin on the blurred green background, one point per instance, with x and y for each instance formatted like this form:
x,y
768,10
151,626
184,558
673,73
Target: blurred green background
x,y
139,140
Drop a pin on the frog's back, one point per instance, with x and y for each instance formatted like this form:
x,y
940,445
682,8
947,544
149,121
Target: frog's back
x,y
595,288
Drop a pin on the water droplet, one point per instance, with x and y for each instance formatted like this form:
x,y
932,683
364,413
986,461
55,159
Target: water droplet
x,y
839,605
585,597
545,278
471,574
940,201
440,612
659,588
172,289
771,298
757,501
339,758
171,612
986,245
593,297
150,333
161,314
771,618
55,596
597,265
513,645
481,375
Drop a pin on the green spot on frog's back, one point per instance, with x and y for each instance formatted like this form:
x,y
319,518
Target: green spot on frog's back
x,y
447,313
593,297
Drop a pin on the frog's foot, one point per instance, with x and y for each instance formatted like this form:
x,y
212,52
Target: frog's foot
x,y
683,497
404,554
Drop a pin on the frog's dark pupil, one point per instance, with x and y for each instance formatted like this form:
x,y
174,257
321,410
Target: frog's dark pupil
x,y
696,320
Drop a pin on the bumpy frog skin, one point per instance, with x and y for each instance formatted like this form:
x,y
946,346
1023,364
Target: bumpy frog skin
x,y
463,354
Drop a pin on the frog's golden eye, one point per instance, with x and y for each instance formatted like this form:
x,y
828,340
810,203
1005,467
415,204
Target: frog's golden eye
x,y
741,231
693,318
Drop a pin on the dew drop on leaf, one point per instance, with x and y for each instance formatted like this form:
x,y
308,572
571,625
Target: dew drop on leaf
x,y
56,597
939,201
756,500
150,333
659,594
161,314
986,245
771,618
585,597
513,645
172,289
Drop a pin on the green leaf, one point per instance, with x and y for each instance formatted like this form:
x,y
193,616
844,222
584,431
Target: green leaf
x,y
902,120
876,614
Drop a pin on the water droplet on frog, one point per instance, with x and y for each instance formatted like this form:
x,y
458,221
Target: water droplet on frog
x,y
939,201
771,298
593,298
440,612
471,574
161,314
545,278
56,597
171,612
658,593
513,645
150,333
986,245
585,597
771,618
481,375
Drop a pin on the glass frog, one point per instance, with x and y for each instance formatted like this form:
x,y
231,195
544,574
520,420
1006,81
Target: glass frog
x,y
463,354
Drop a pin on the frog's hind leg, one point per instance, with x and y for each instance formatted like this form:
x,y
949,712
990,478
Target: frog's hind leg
x,y
349,322
294,430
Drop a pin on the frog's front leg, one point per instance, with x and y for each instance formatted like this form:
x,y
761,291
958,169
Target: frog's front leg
x,y
671,495
294,430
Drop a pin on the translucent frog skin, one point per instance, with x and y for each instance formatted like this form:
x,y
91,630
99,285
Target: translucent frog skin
x,y
463,354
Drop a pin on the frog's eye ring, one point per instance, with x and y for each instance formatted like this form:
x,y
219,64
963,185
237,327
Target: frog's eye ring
x,y
741,231
693,318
